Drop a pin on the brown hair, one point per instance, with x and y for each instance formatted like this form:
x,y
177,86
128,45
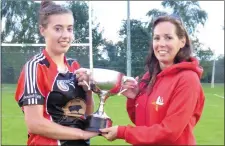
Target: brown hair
x,y
184,54
48,8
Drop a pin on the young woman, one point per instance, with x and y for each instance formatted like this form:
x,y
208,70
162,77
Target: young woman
x,y
51,90
168,102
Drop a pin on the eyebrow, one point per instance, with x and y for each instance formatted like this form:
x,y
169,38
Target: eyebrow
x,y
164,34
62,25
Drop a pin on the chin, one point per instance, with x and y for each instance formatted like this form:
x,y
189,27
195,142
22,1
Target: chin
x,y
162,59
63,49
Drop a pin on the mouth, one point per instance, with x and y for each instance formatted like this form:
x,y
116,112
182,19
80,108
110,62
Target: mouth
x,y
64,43
163,52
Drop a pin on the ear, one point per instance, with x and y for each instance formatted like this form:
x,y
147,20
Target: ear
x,y
182,42
42,30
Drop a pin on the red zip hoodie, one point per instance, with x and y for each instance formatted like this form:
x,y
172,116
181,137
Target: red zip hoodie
x,y
169,114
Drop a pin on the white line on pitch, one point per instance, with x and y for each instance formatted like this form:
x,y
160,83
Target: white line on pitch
x,y
218,96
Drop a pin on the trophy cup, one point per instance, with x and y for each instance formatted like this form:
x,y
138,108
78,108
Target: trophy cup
x,y
105,83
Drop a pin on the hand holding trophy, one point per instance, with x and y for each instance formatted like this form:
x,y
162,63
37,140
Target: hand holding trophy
x,y
104,83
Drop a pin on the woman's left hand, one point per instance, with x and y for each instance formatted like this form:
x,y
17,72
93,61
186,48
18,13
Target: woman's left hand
x,y
109,133
83,78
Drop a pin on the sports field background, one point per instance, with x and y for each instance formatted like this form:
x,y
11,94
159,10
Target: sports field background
x,y
209,131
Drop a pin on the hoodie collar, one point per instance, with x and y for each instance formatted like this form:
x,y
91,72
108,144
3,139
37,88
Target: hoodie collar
x,y
184,65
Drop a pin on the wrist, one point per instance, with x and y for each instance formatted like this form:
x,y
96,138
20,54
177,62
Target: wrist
x,y
89,93
89,98
83,135
132,97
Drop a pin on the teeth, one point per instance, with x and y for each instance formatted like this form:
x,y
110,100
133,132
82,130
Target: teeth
x,y
63,43
163,52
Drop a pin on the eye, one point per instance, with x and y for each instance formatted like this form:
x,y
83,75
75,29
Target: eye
x,y
57,28
168,38
70,29
156,38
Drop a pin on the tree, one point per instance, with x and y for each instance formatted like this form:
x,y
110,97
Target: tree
x,y
219,69
205,57
189,11
139,45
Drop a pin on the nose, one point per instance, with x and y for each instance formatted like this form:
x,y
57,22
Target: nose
x,y
162,43
65,34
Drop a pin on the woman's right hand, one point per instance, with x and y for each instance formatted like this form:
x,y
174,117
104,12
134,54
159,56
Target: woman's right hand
x,y
131,87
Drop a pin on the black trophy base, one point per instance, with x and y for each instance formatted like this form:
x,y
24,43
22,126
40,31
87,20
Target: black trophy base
x,y
95,123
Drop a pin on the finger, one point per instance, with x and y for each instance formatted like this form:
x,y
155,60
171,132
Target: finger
x,y
81,84
82,78
137,78
104,135
80,70
105,130
77,75
130,83
128,86
123,90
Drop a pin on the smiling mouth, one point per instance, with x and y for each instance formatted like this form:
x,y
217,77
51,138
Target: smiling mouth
x,y
162,52
64,43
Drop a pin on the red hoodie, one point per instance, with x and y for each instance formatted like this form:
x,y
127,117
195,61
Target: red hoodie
x,y
169,114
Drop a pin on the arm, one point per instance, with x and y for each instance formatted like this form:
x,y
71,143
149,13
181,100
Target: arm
x,y
90,103
37,124
89,96
180,111
130,105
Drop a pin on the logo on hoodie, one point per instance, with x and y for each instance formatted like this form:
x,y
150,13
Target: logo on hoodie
x,y
158,102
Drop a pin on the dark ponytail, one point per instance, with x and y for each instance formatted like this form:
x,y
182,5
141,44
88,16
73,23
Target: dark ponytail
x,y
45,4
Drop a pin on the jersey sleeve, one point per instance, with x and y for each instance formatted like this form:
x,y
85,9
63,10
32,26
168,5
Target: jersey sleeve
x,y
27,91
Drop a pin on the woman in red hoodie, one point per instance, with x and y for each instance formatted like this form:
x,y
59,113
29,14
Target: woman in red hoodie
x,y
168,102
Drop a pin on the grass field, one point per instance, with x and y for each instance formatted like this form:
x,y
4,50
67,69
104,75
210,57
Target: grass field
x,y
209,131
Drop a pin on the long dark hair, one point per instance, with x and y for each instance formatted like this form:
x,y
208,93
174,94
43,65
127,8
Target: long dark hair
x,y
48,8
184,54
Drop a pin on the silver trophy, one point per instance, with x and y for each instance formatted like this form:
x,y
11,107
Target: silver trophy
x,y
104,83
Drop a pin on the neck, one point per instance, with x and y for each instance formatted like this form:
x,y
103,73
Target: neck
x,y
58,59
164,65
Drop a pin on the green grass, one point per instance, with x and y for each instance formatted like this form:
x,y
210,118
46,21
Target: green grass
x,y
209,131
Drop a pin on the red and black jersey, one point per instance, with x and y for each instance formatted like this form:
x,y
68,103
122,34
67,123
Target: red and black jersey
x,y
40,83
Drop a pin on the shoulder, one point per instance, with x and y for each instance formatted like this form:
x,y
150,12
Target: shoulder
x,y
189,74
188,77
38,58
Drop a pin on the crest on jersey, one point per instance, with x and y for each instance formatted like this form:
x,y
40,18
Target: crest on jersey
x,y
62,85
75,108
